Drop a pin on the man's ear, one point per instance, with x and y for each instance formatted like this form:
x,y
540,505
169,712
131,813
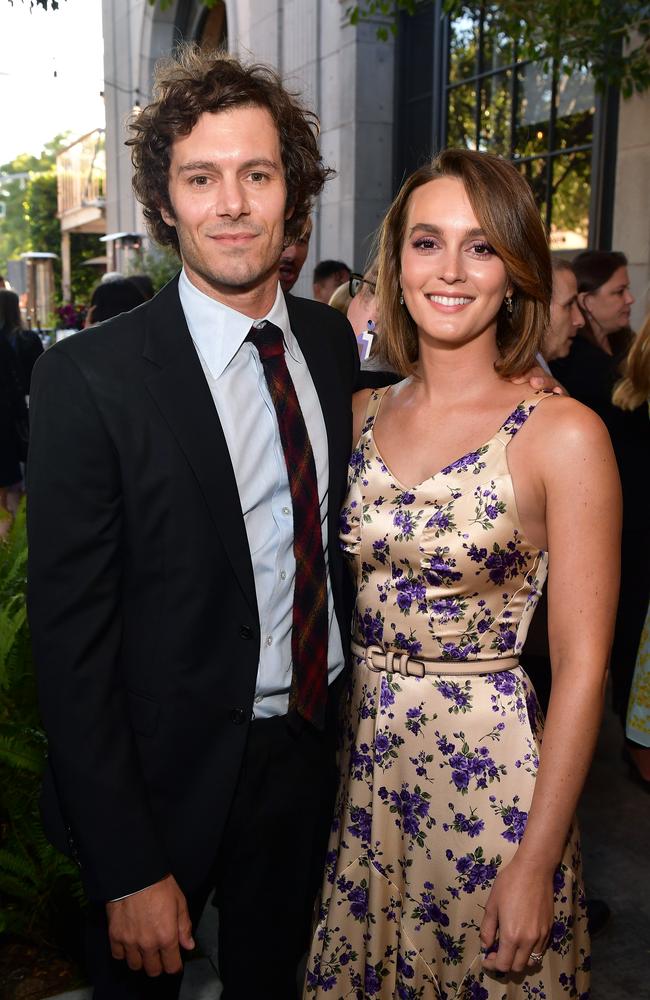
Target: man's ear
x,y
167,216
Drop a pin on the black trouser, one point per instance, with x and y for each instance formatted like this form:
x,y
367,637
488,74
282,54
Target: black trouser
x,y
267,873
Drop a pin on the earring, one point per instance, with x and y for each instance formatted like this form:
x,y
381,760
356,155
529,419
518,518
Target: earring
x,y
509,304
401,298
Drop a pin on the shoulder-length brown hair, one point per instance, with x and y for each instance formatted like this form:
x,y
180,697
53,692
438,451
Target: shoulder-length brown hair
x,y
504,207
634,388
194,81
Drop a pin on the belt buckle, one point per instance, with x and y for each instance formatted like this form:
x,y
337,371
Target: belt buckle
x,y
369,653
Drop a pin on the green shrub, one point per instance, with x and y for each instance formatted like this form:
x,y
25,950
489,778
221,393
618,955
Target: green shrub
x,y
40,890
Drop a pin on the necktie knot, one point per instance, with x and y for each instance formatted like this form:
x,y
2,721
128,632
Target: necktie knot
x,y
268,339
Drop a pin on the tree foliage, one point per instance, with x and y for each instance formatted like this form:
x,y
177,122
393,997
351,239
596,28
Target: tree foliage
x,y
28,189
609,37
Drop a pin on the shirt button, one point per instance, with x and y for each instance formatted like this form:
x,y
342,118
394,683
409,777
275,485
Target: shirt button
x,y
283,574
238,716
286,511
245,632
268,641
259,699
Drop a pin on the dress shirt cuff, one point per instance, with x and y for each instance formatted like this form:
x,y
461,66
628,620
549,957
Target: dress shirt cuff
x,y
137,891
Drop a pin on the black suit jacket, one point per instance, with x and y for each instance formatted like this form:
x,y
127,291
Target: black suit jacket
x,y
141,594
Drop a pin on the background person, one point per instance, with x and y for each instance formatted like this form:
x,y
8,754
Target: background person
x,y
454,835
293,257
26,344
328,275
110,298
631,393
590,373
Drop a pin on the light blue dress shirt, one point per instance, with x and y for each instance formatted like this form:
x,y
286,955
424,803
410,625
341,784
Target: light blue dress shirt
x,y
235,376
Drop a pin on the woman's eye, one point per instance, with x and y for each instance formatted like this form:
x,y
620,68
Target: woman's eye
x,y
482,249
425,243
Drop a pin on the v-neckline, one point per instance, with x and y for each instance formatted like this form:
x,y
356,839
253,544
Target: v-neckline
x,y
450,465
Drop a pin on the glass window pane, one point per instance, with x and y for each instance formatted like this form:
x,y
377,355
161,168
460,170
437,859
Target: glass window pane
x,y
463,38
461,120
571,190
576,108
535,173
416,135
534,92
496,108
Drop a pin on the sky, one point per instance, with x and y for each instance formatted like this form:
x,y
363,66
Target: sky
x,y
36,104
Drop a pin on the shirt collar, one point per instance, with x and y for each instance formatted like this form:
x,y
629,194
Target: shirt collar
x,y
218,331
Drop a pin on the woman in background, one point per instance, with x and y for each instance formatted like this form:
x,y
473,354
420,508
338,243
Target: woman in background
x,y
632,393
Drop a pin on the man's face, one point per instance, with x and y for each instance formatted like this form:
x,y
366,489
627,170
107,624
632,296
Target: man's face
x,y
293,257
566,318
228,198
324,289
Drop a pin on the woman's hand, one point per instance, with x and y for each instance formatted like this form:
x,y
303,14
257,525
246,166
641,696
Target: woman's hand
x,y
518,917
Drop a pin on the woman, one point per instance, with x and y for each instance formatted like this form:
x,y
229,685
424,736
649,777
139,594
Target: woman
x,y
631,393
454,863
590,373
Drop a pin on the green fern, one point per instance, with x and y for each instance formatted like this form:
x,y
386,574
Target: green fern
x,y
39,887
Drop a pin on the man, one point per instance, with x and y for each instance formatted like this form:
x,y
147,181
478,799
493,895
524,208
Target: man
x,y
566,318
293,257
328,275
187,597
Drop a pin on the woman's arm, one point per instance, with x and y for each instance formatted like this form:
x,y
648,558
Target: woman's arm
x,y
583,518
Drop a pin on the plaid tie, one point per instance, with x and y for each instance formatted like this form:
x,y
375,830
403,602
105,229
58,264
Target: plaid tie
x,y
309,636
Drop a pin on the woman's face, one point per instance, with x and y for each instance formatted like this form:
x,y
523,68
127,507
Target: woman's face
x,y
610,306
452,281
362,310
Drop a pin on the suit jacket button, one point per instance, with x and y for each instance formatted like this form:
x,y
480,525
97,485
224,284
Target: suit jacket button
x,y
246,632
238,716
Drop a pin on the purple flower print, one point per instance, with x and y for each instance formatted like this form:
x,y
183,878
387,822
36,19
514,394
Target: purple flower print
x,y
361,823
411,807
558,881
405,498
515,821
427,911
483,625
505,564
358,900
386,694
474,872
372,981
473,458
403,968
411,645
452,948
410,590
357,461
505,640
452,691
470,825
517,419
438,568
477,992
380,550
371,627
403,520
447,609
492,511
505,681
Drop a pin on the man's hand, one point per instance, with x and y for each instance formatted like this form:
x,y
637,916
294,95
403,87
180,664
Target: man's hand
x,y
149,928
539,379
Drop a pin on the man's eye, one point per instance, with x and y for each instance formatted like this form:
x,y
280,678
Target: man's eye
x,y
199,181
258,177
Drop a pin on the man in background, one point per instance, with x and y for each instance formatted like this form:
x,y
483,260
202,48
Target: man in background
x,y
293,257
328,275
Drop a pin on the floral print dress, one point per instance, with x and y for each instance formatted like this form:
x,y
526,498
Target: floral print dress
x,y
438,771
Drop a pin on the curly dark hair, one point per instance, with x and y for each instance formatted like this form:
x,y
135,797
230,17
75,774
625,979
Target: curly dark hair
x,y
194,81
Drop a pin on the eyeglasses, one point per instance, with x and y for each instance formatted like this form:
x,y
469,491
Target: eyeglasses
x,y
355,283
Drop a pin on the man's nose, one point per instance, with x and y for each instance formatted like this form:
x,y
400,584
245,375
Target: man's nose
x,y
577,319
231,198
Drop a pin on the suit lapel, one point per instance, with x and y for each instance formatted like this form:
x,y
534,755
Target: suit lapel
x,y
181,393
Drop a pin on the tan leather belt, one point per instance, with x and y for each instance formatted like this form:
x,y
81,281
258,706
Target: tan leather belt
x,y
398,661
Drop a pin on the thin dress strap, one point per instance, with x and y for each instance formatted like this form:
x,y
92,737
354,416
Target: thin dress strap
x,y
516,420
372,409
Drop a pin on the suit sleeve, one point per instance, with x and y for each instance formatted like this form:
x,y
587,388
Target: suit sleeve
x,y
74,601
